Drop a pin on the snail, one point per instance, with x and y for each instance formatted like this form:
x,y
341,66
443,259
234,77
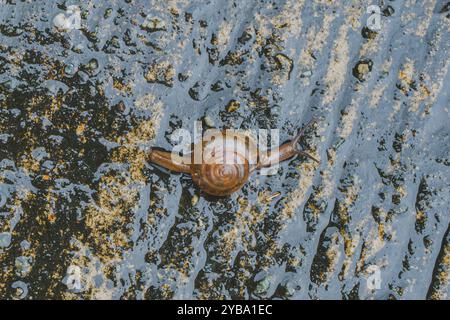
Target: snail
x,y
226,160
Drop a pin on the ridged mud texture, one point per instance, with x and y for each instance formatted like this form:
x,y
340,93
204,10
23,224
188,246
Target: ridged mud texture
x,y
79,110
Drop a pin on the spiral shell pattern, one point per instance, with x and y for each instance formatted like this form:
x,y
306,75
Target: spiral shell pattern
x,y
225,167
220,179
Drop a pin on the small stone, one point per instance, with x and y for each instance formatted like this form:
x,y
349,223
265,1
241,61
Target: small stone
x,y
367,33
214,41
78,48
83,77
198,91
218,86
70,69
153,24
183,77
162,72
263,285
209,121
60,22
25,245
5,239
194,200
233,105
445,8
276,110
121,106
107,13
23,265
306,74
92,65
388,11
246,36
21,289
114,42
362,69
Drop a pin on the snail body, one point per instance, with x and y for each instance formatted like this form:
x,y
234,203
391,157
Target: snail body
x,y
222,162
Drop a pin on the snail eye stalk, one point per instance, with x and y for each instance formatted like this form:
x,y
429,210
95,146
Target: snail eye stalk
x,y
302,153
297,138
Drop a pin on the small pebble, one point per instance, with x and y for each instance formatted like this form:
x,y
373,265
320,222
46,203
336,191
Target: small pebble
x,y
107,13
445,8
362,69
367,33
218,86
263,285
23,266
153,24
78,48
5,239
25,245
233,105
183,77
60,22
92,64
388,11
194,200
209,121
70,69
306,74
21,289
83,77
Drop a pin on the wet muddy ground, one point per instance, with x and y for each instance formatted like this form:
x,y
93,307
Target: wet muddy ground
x,y
84,215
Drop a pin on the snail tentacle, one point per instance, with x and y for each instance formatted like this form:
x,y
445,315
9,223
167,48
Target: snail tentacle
x,y
301,133
303,153
287,150
297,138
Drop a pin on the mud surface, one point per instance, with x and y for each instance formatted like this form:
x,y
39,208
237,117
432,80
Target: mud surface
x,y
83,215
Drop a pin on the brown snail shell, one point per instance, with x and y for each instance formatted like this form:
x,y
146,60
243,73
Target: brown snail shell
x,y
227,162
